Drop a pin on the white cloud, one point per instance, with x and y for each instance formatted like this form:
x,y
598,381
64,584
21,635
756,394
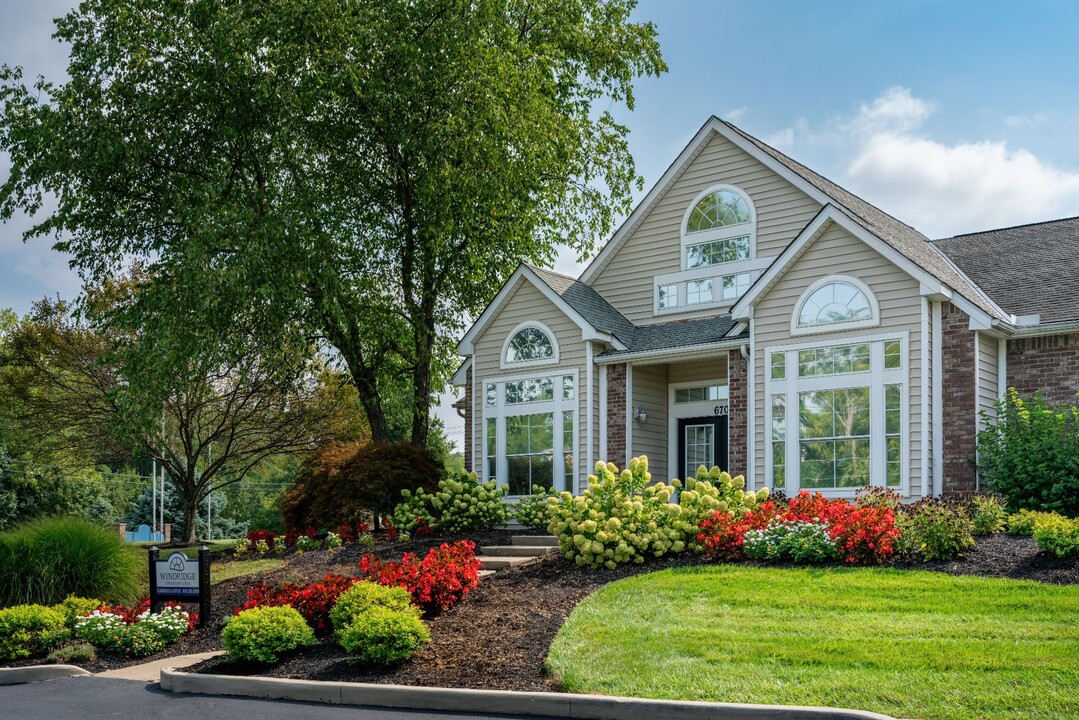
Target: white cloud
x,y
736,114
1026,121
948,188
781,139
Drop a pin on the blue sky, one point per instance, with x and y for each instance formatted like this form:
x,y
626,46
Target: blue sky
x,y
953,116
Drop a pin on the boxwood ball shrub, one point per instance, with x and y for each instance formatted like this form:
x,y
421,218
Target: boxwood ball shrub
x,y
46,560
460,504
381,636
622,518
363,596
28,630
264,634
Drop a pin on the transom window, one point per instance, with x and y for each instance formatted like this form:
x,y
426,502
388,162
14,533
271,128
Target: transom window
x,y
530,345
718,209
704,393
836,416
836,301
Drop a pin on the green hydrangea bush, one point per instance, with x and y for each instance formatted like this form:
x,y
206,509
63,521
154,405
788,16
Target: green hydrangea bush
x,y
264,634
621,517
28,630
532,510
461,504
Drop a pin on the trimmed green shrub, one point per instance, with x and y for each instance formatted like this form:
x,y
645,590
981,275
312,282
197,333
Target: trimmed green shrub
x,y
380,636
461,504
27,630
1030,454
1058,535
343,484
935,529
1024,521
988,514
72,653
532,510
621,517
46,560
73,608
363,596
264,634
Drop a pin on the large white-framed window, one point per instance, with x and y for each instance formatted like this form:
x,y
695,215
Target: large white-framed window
x,y
837,302
530,430
528,345
836,415
718,253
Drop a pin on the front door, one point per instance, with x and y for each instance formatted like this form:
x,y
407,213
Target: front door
x,y
701,441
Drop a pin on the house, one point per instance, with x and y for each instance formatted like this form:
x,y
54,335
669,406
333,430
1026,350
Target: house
x,y
754,315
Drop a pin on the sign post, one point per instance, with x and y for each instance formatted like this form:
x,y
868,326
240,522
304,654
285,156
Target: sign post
x,y
181,579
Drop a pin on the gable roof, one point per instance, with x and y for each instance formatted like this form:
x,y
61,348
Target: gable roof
x,y
912,244
589,303
1028,269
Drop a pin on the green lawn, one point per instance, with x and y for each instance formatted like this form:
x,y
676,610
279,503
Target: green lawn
x,y
908,644
238,568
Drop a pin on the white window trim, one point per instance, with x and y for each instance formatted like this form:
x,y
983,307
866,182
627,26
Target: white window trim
x,y
712,272
502,364
875,378
874,307
700,408
500,411
749,228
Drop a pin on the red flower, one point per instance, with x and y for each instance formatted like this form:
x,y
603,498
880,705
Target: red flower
x,y
437,582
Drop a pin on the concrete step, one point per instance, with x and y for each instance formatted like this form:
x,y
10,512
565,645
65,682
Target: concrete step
x,y
485,573
517,550
535,540
501,563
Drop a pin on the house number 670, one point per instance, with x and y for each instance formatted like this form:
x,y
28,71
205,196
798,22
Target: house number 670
x,y
721,409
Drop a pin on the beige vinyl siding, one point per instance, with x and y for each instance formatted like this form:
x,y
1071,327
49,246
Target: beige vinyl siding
x,y
650,438
837,252
697,371
528,303
988,387
654,247
927,454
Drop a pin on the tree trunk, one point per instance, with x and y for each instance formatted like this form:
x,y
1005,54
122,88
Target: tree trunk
x,y
190,508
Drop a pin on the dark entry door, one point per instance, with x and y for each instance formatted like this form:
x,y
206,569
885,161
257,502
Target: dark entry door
x,y
701,441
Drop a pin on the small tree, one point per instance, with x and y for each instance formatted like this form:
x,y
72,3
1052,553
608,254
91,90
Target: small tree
x,y
1030,454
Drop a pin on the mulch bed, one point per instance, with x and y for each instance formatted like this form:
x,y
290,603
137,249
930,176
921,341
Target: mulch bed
x,y
498,636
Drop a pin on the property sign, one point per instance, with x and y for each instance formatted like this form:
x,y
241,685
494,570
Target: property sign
x,y
182,579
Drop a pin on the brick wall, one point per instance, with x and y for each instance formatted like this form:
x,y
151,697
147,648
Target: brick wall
x,y
737,373
468,420
960,425
1047,364
616,415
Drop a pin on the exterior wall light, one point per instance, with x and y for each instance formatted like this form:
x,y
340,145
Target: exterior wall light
x,y
640,414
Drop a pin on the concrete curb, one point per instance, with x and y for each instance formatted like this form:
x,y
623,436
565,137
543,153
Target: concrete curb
x,y
565,705
38,673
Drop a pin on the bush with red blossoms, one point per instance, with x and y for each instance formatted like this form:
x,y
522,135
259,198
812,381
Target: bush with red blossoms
x,y
314,601
863,534
437,582
268,536
293,534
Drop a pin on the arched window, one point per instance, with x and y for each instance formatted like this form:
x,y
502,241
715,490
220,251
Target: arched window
x,y
836,300
530,344
718,228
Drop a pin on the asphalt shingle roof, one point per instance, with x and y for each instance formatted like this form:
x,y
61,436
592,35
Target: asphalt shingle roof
x,y
602,315
1027,270
913,244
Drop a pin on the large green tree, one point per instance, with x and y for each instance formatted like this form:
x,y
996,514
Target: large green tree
x,y
363,171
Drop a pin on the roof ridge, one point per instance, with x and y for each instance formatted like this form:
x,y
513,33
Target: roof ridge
x,y
811,172
537,268
1007,227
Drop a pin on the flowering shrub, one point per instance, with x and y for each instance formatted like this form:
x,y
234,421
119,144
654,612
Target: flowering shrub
x,y
268,537
795,540
263,634
461,504
861,533
293,536
73,608
304,543
621,518
27,630
332,542
532,511
1024,521
351,533
445,575
134,632
313,601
